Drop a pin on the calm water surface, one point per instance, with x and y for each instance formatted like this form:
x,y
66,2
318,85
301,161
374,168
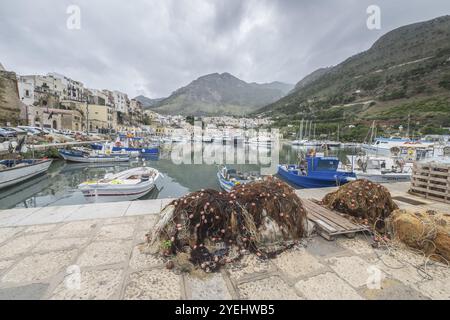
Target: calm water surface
x,y
59,185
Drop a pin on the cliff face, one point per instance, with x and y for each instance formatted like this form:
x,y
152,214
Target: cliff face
x,y
10,104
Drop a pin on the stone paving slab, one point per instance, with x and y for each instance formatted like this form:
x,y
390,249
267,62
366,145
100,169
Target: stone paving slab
x,y
268,288
37,262
326,286
211,287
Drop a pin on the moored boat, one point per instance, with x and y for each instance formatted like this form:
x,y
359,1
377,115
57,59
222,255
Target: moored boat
x,y
123,186
15,171
91,157
318,172
228,178
382,169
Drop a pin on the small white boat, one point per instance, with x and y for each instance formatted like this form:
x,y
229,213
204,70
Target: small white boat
x,y
382,169
123,186
260,141
207,139
15,171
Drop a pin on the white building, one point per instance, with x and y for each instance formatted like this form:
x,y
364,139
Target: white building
x,y
26,89
121,101
71,89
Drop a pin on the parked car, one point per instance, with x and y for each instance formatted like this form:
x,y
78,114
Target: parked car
x,y
32,131
6,133
17,130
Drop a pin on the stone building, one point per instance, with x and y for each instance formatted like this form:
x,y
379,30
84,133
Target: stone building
x,y
10,104
55,118
99,118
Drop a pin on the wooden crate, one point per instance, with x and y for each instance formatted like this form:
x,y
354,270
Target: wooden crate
x,y
431,181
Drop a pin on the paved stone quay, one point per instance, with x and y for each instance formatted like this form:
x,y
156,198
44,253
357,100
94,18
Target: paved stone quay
x,y
70,253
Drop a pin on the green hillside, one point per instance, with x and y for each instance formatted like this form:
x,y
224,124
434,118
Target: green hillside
x,y
406,72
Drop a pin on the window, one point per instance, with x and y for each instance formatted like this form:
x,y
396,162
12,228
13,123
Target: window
x,y
327,165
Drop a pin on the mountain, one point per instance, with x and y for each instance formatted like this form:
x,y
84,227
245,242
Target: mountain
x,y
312,77
147,103
221,94
285,88
406,71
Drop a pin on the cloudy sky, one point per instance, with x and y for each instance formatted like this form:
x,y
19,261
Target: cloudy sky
x,y
152,47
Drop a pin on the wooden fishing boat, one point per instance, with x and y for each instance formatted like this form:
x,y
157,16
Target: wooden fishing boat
x,y
318,172
228,178
87,156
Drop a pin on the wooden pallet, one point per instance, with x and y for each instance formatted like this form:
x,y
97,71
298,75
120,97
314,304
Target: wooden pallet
x,y
431,181
329,223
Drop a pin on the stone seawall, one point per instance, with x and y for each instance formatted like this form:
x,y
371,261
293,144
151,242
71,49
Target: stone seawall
x,y
10,104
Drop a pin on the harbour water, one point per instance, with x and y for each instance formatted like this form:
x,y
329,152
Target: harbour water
x,y
59,186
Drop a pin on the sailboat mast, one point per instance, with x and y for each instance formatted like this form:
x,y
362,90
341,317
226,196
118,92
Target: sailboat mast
x,y
300,133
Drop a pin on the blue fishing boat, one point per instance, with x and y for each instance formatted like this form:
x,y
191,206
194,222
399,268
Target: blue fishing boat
x,y
317,172
87,156
228,178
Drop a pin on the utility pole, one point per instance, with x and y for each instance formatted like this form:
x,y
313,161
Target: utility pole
x,y
87,116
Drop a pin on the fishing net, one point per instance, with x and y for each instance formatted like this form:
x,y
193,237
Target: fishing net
x,y
213,228
368,202
427,231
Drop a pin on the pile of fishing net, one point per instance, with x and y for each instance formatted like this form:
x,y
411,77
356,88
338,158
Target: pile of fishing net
x,y
427,231
212,228
370,203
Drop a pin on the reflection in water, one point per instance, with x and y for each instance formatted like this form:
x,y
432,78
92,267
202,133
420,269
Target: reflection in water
x,y
185,168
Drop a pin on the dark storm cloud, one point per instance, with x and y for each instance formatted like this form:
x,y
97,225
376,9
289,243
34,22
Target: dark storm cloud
x,y
154,47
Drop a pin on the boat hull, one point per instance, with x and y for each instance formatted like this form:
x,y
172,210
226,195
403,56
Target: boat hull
x,y
384,178
120,193
316,180
11,176
224,184
140,150
93,159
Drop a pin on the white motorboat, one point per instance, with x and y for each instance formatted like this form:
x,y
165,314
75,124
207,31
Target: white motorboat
x,y
15,171
260,141
123,186
207,138
381,169
383,146
298,142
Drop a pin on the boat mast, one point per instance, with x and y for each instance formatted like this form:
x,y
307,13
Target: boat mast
x,y
409,122
338,132
300,132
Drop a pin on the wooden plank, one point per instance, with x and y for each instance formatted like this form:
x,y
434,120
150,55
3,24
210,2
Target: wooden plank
x,y
328,214
329,223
